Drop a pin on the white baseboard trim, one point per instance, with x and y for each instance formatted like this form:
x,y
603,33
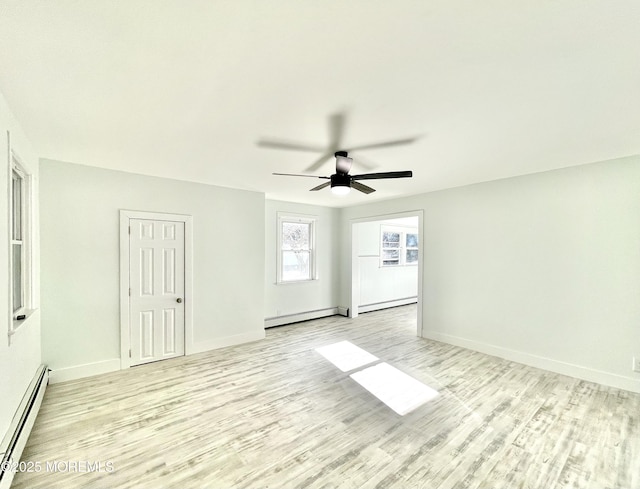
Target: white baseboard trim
x,y
86,370
225,341
569,369
301,316
343,311
89,369
386,304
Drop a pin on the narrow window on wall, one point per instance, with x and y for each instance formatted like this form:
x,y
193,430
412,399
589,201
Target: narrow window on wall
x,y
398,247
20,245
411,248
296,249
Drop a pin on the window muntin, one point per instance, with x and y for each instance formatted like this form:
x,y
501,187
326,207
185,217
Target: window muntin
x,y
296,249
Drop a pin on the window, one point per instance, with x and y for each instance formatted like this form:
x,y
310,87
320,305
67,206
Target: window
x,y
398,247
20,236
411,248
296,248
390,248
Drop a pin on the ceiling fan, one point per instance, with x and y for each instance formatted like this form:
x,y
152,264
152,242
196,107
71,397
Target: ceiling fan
x,y
342,183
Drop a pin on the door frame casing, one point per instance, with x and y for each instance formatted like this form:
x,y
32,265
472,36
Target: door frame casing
x,y
354,273
125,326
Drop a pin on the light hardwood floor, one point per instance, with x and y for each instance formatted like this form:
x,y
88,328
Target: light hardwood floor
x,y
275,413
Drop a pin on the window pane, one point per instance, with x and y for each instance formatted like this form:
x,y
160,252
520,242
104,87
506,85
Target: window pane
x,y
295,236
390,257
17,206
17,276
388,237
412,256
412,240
390,254
390,240
295,266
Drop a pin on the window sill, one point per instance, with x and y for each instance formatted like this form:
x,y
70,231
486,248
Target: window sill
x,y
17,324
294,282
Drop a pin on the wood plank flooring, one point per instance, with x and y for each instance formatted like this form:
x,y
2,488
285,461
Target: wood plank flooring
x,y
275,413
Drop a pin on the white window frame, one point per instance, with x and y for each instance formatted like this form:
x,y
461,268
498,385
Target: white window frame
x,y
297,219
410,248
402,249
26,242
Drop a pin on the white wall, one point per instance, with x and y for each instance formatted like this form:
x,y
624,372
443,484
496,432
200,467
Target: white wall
x,y
20,357
543,269
377,283
80,260
302,297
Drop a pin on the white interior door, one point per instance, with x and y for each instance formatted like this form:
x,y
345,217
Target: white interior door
x,y
156,280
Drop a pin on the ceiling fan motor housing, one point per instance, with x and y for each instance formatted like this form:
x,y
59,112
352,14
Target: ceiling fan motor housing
x,y
340,180
343,162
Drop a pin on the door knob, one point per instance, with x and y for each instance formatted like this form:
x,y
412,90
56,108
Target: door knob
x,y
178,300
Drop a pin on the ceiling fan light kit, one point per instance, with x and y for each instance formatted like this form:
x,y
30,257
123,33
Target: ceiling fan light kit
x,y
340,183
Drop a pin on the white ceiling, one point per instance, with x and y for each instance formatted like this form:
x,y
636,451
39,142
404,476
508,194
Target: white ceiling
x,y
185,89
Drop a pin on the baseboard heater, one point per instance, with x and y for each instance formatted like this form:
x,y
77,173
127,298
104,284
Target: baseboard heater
x,y
376,306
20,427
303,316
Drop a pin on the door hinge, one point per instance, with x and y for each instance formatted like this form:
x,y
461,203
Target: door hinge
x,y
129,352
129,291
129,229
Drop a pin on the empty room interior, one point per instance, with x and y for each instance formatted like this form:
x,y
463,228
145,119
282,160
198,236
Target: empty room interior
x,y
320,244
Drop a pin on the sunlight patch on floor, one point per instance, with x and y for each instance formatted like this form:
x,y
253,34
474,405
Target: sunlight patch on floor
x,y
346,356
399,391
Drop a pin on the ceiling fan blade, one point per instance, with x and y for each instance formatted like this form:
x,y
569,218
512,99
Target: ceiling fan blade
x,y
318,163
321,186
299,175
397,142
388,174
362,187
290,145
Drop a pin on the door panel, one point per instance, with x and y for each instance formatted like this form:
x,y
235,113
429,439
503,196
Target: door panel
x,y
169,325
146,271
146,334
156,279
169,271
